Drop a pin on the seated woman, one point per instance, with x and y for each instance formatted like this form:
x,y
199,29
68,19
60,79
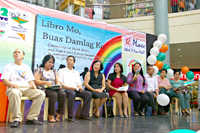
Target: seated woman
x,y
116,80
165,88
94,81
45,77
183,98
137,89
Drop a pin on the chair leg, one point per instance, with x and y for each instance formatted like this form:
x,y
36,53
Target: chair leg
x,y
129,106
8,114
105,110
66,109
22,109
46,106
114,106
91,108
176,105
171,106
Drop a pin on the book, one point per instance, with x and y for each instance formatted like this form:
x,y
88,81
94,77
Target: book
x,y
54,87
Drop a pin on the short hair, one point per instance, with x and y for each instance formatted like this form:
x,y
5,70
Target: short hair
x,y
72,57
21,50
121,67
177,70
46,58
163,69
148,67
101,64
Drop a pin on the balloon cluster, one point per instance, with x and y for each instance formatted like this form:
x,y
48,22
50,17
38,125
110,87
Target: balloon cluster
x,y
189,74
157,56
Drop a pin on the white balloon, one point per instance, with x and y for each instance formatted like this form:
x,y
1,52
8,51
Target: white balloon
x,y
157,44
155,70
151,59
154,51
170,73
163,99
180,75
162,38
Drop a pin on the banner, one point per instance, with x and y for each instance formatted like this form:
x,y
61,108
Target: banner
x,y
16,31
134,50
62,38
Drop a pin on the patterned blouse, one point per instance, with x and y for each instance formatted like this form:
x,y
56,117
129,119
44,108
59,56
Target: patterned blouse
x,y
136,85
46,76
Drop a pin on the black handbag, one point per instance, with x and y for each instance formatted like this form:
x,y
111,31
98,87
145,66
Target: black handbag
x,y
109,108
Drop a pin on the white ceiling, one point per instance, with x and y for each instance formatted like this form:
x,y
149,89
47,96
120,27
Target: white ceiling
x,y
190,55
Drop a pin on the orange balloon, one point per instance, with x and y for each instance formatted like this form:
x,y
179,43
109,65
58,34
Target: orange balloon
x,y
164,48
184,69
159,64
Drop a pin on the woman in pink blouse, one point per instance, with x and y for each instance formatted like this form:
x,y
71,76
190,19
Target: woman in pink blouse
x,y
137,89
164,87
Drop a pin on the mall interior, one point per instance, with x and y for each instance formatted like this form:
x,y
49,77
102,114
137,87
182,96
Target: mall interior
x,y
181,24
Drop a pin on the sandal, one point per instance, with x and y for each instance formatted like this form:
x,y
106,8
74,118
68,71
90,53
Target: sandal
x,y
51,119
136,113
57,117
188,113
122,116
141,113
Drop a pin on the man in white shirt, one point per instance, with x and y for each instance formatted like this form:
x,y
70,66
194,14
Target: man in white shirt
x,y
72,85
152,89
19,80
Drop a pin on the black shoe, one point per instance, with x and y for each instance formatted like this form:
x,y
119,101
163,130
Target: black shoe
x,y
70,119
33,122
14,124
84,117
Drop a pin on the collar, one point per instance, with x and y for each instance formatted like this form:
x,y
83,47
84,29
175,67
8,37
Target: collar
x,y
68,70
148,76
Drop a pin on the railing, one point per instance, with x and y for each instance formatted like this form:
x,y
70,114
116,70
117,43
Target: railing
x,y
127,10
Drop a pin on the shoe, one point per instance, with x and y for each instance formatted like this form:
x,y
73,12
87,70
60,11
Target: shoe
x,y
188,113
70,119
33,122
136,113
141,113
84,117
162,113
51,119
121,116
57,117
154,113
14,124
125,116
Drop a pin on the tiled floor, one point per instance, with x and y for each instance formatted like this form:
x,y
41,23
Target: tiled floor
x,y
141,124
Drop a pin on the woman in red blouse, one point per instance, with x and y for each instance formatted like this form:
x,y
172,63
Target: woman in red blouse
x,y
116,80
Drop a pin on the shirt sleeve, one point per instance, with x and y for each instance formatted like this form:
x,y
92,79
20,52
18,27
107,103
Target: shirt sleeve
x,y
130,78
6,73
78,79
60,76
156,83
146,84
168,83
30,74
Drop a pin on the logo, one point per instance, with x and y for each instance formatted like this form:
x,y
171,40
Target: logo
x,y
21,35
19,17
128,40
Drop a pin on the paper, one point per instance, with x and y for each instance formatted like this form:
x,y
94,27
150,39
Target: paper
x,y
123,88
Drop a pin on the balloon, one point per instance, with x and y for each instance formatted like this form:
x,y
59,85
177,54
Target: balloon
x,y
190,75
184,69
159,64
164,48
166,66
158,73
170,73
157,44
151,59
163,99
155,70
154,51
162,38
161,56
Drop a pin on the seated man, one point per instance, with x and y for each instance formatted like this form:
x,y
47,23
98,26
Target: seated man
x,y
72,85
152,89
19,80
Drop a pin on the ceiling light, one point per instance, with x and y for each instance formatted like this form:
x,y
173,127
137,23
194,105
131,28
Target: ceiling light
x,y
179,49
179,61
181,56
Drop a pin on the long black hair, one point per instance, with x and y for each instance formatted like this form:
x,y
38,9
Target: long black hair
x,y
46,58
141,72
121,67
101,64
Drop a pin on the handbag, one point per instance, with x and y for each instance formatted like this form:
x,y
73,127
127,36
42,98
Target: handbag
x,y
148,110
109,108
182,90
